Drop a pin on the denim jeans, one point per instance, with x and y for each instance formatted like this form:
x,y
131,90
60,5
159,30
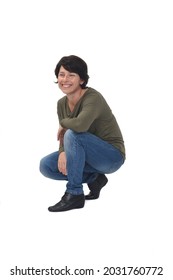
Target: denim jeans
x,y
87,156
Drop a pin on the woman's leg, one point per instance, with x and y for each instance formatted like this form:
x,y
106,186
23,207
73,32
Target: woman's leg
x,y
87,156
49,169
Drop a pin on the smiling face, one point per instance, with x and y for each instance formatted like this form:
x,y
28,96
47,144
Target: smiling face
x,y
69,82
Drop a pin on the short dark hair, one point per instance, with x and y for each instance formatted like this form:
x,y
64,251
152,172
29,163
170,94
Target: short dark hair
x,y
75,64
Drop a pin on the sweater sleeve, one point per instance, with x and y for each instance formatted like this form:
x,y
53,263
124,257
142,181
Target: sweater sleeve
x,y
90,111
60,114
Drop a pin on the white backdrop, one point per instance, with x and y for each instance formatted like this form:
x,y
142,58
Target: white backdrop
x,y
128,48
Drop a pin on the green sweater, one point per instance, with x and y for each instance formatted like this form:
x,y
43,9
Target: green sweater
x,y
91,114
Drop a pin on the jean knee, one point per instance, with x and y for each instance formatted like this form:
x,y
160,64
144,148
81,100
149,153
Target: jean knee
x,y
69,133
43,167
69,137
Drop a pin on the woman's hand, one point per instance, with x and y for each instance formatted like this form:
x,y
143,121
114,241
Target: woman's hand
x,y
62,163
60,134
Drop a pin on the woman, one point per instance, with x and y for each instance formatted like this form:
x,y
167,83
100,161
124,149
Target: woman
x,y
90,141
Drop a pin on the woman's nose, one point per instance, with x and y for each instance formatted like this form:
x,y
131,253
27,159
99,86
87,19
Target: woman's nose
x,y
66,78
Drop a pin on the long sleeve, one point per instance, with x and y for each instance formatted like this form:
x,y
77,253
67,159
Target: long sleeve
x,y
82,122
61,141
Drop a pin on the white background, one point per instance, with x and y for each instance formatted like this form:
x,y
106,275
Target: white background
x,y
128,48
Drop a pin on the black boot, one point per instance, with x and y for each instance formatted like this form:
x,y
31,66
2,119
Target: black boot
x,y
68,202
96,187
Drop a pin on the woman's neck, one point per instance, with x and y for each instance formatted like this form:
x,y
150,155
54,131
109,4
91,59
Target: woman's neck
x,y
74,98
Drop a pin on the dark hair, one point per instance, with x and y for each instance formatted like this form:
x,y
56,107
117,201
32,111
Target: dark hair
x,y
75,64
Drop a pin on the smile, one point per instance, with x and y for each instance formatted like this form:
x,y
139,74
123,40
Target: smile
x,y
66,85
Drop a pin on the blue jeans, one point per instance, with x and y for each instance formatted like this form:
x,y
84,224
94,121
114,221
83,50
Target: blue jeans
x,y
87,157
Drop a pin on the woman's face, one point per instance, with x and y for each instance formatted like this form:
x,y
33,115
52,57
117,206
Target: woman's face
x,y
69,82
